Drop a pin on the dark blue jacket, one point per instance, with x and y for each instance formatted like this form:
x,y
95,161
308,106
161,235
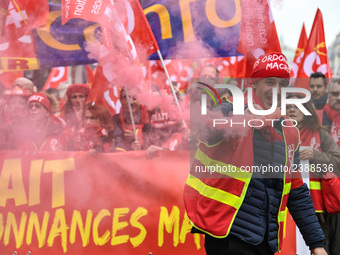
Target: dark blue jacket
x,y
257,217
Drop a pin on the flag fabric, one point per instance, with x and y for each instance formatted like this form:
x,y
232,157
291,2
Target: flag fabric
x,y
24,15
180,72
103,93
108,14
90,75
299,53
56,76
58,45
139,28
16,44
180,26
315,56
7,78
258,34
3,14
229,67
99,11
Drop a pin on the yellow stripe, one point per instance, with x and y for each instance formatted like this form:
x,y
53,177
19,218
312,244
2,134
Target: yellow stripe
x,y
281,217
286,188
231,170
315,185
214,193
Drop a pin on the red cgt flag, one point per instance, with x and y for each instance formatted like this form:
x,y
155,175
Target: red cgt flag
x,y
103,93
315,57
57,76
258,34
299,53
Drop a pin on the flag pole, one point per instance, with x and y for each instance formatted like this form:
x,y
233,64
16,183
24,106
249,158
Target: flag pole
x,y
171,85
167,75
131,115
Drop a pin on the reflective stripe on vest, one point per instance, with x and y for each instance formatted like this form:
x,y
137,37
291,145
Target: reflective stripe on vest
x,y
212,203
213,193
315,185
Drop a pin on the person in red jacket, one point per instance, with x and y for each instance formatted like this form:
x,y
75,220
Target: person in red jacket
x,y
45,131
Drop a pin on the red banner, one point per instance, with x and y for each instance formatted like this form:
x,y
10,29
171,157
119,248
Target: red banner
x,y
70,203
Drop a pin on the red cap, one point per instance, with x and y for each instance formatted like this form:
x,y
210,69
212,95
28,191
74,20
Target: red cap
x,y
271,65
78,88
42,99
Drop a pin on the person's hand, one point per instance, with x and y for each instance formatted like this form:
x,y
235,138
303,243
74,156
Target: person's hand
x,y
136,146
128,135
307,153
318,251
152,151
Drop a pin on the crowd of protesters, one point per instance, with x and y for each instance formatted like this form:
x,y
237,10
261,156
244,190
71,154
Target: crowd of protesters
x,y
43,121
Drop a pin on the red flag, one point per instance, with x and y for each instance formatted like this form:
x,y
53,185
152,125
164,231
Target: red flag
x,y
258,34
108,14
3,14
315,58
57,76
7,78
299,53
138,27
24,15
16,47
103,93
90,75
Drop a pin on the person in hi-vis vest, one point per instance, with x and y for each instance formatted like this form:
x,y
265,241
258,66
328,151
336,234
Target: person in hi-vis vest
x,y
240,185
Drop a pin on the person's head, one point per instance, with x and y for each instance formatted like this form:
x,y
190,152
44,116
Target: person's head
x,y
98,115
77,95
52,91
39,108
135,105
311,122
270,71
317,85
16,104
209,71
334,95
24,84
